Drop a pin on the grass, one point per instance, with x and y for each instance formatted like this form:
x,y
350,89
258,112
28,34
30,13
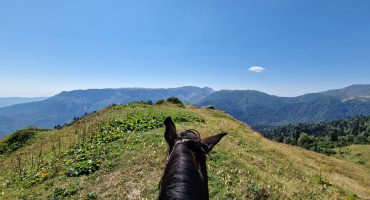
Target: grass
x,y
20,138
129,149
357,154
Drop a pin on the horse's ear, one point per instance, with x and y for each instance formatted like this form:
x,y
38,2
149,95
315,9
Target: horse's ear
x,y
170,133
211,141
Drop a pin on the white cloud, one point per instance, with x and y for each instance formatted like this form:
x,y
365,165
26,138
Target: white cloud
x,y
256,69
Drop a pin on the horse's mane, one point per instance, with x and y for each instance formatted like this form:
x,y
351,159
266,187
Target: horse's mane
x,y
185,176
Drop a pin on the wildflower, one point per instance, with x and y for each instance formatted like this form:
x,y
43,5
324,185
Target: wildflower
x,y
43,174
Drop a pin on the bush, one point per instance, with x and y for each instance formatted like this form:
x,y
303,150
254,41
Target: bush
x,y
209,107
305,140
360,139
327,151
159,102
288,140
174,100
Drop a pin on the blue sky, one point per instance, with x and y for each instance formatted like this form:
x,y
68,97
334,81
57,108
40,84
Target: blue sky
x,y
304,46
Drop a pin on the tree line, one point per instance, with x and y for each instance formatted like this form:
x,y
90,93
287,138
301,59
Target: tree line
x,y
323,136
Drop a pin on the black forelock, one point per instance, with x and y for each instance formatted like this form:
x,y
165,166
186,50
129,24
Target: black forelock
x,y
183,178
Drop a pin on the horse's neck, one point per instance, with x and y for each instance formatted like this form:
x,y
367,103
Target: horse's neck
x,y
182,178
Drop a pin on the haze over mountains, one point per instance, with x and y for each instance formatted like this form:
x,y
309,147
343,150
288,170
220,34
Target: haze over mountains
x,y
257,108
253,107
63,107
8,101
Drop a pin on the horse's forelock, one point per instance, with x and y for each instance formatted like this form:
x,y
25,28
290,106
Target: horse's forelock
x,y
186,164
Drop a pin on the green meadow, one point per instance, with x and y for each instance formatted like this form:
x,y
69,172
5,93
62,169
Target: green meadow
x,y
120,153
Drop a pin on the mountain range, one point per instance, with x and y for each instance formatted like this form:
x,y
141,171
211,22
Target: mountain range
x,y
257,108
8,101
254,107
361,92
63,107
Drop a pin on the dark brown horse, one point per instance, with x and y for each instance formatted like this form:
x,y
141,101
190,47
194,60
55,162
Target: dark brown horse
x,y
185,175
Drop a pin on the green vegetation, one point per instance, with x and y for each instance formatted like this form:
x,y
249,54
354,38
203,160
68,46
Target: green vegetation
x,y
18,139
86,157
324,136
173,100
120,153
357,154
160,101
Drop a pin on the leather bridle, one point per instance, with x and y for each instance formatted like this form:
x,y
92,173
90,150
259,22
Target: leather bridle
x,y
197,165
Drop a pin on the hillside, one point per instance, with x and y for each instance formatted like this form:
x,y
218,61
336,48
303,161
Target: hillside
x,y
257,108
351,92
324,136
8,101
63,107
357,154
120,153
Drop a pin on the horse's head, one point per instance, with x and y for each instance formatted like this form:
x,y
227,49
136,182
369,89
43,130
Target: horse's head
x,y
190,135
185,175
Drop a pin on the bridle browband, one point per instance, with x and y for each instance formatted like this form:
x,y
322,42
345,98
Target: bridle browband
x,y
174,146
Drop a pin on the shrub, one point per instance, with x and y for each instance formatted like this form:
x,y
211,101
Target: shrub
x,y
209,107
288,140
159,102
327,151
360,139
305,140
174,100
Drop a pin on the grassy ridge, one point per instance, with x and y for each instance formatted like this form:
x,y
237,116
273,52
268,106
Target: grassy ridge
x,y
130,161
18,139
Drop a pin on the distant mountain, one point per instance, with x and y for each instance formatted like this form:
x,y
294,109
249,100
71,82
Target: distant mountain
x,y
8,101
361,92
63,107
254,107
257,108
